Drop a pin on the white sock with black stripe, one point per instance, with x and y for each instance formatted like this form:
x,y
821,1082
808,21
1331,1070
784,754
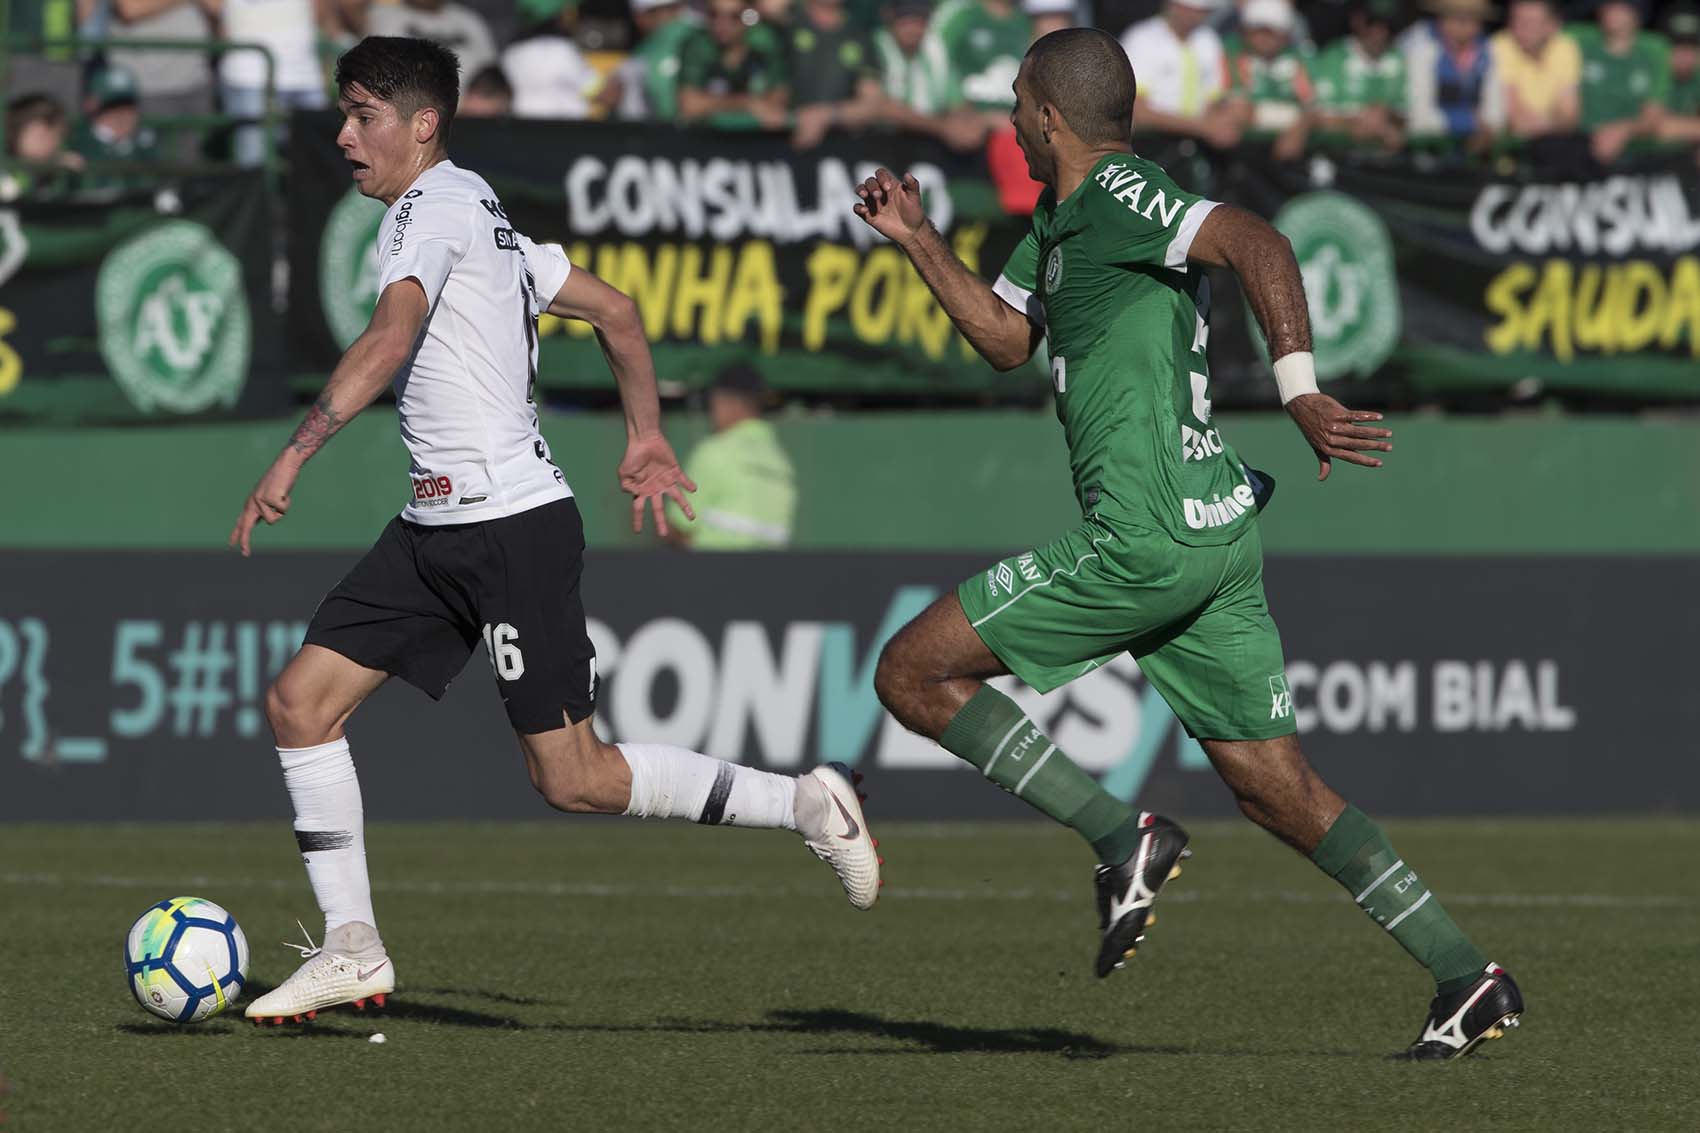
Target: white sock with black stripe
x,y
330,829
670,782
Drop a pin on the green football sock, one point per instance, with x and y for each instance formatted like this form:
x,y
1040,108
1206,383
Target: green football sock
x,y
1357,854
993,734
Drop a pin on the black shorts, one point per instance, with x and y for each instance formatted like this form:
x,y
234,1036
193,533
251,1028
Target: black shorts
x,y
422,598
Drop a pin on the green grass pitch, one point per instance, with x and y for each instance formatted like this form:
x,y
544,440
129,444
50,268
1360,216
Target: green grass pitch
x,y
597,974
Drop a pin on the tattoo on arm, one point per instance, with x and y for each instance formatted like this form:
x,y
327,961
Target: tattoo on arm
x,y
322,421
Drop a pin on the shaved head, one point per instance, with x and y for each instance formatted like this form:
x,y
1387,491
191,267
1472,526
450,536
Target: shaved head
x,y
1084,73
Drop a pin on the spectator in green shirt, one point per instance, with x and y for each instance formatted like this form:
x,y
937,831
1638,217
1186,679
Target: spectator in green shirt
x,y
1360,82
732,74
916,77
112,130
646,85
1269,88
1625,80
746,497
1681,121
835,80
984,41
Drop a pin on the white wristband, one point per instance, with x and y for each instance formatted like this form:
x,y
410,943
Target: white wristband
x,y
1295,375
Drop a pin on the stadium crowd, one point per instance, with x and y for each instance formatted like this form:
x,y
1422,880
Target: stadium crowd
x,y
1553,80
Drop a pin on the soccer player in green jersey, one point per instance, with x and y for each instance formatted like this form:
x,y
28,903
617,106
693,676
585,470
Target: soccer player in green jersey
x,y
1166,563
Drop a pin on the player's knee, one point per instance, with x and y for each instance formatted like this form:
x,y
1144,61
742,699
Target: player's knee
x,y
296,720
894,678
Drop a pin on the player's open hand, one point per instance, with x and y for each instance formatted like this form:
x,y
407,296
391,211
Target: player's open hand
x,y
268,502
650,474
892,207
1335,432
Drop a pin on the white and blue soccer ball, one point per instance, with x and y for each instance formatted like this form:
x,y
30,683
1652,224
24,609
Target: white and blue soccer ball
x,y
186,959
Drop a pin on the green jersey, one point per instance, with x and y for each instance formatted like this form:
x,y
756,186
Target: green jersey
x,y
1616,87
984,50
1346,79
828,64
655,68
761,70
920,81
1106,273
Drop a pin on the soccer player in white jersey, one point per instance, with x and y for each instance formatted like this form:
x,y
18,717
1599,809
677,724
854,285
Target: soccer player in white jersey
x,y
490,545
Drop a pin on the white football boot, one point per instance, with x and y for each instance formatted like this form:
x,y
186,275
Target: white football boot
x,y
350,967
846,845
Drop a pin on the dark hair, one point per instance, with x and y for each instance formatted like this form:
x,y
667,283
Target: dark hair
x,y
1084,73
491,80
409,73
33,107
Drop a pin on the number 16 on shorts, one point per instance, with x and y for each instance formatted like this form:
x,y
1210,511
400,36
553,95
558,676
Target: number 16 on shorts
x,y
502,640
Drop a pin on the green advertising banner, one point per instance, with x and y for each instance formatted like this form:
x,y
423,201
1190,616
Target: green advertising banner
x,y
155,306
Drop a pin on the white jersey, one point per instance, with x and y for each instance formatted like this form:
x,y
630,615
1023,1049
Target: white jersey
x,y
465,397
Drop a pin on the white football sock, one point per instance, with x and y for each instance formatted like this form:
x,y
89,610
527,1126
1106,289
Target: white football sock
x,y
330,829
670,782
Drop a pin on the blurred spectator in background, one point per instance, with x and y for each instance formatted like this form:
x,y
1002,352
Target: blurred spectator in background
x,y
1048,16
488,95
1360,81
1269,89
287,29
1681,122
984,40
732,73
1540,69
171,82
913,65
112,130
455,26
1625,80
36,128
646,84
551,77
1453,90
1181,72
1228,20
746,497
835,79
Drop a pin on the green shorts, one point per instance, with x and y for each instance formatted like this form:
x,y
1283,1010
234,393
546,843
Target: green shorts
x,y
1193,617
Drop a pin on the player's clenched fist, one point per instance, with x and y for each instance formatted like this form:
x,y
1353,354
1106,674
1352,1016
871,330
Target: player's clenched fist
x,y
891,206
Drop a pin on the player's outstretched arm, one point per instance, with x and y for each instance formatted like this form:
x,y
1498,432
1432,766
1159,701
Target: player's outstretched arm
x,y
361,375
649,473
1001,334
1263,260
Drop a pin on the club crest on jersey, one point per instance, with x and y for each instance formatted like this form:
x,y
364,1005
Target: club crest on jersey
x,y
1053,269
432,491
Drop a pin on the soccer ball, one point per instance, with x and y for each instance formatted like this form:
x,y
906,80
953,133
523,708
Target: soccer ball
x,y
186,959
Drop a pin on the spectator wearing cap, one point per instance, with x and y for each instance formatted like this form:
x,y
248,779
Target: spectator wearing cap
x,y
550,75
746,497
112,129
488,95
285,28
1540,69
1181,71
645,87
1452,89
1681,121
1360,81
732,73
834,72
1625,80
1051,15
1229,22
455,26
1269,88
915,75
